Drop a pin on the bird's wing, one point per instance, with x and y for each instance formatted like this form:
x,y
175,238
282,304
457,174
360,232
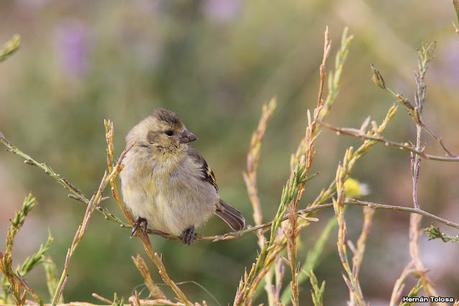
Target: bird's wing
x,y
207,174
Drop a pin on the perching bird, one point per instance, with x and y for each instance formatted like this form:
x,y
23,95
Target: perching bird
x,y
166,183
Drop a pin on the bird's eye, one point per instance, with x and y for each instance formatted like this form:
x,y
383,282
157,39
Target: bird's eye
x,y
169,132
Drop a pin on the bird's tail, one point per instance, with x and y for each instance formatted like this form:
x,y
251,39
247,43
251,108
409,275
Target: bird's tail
x,y
231,216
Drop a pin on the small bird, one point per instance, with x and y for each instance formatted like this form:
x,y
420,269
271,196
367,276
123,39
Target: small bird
x,y
166,183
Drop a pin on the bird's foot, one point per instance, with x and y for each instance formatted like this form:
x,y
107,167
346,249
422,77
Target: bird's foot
x,y
188,235
140,224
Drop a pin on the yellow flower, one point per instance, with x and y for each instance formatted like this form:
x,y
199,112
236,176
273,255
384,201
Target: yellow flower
x,y
355,189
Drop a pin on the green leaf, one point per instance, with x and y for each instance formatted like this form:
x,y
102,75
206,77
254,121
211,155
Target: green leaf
x,y
36,258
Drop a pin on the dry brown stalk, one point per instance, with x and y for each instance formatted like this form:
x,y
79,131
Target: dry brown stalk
x,y
101,298
17,285
155,291
310,209
404,209
368,214
401,145
93,203
305,154
109,133
343,172
350,278
425,55
293,190
253,157
134,299
250,179
421,271
159,302
399,284
154,257
74,192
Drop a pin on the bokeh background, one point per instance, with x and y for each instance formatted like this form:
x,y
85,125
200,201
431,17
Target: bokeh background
x,y
215,62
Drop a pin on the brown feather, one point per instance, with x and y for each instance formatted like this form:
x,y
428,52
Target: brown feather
x,y
231,216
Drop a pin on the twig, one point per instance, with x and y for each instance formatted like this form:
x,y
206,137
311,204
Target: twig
x,y
109,133
93,202
250,179
18,286
357,259
399,284
350,277
293,189
157,302
404,209
305,155
101,298
140,264
403,146
414,110
425,54
75,192
253,157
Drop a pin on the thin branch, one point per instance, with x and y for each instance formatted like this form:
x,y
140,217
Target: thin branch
x,y
350,278
74,192
400,145
101,298
413,110
308,210
357,259
424,56
109,133
93,203
250,179
404,209
305,155
17,285
253,157
399,284
157,302
155,291
294,187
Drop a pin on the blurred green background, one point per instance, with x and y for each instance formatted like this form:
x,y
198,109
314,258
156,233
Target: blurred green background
x,y
214,63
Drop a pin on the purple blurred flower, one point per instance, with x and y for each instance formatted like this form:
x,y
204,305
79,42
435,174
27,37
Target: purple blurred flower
x,y
72,48
222,10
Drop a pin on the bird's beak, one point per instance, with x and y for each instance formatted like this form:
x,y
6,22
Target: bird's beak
x,y
187,137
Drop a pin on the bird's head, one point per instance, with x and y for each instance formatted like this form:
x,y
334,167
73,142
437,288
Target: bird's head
x,y
162,131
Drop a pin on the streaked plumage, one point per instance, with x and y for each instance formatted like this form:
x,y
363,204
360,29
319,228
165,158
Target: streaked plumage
x,y
167,182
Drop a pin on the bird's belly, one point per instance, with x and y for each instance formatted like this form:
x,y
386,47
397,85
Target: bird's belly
x,y
171,206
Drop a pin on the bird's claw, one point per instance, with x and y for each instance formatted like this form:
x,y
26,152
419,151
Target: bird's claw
x,y
140,224
188,235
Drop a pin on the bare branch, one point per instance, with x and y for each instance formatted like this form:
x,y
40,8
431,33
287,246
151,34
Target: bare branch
x,y
400,145
92,204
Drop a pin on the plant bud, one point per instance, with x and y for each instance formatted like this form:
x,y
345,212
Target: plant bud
x,y
377,78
